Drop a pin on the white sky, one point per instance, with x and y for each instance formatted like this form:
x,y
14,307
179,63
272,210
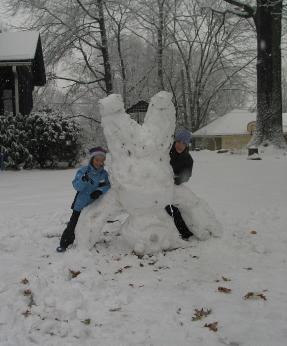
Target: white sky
x,y
6,18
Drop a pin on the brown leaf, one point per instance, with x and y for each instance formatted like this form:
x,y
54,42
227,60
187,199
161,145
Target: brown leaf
x,y
200,314
212,326
254,295
26,313
24,281
27,292
224,290
74,273
119,271
253,231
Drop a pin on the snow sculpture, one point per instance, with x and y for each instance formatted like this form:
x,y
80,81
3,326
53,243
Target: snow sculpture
x,y
142,182
141,172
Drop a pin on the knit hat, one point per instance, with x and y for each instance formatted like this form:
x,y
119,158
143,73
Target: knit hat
x,y
97,151
183,136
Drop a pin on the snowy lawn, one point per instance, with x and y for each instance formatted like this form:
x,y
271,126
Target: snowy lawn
x,y
111,297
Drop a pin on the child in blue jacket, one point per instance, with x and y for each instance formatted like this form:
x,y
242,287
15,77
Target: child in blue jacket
x,y
90,182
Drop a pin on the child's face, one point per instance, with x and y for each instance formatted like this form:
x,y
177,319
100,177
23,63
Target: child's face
x,y
180,146
98,161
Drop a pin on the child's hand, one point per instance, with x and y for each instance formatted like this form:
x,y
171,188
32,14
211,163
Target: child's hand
x,y
96,194
85,177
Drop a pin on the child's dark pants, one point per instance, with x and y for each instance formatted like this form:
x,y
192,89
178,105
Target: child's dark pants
x,y
68,235
178,221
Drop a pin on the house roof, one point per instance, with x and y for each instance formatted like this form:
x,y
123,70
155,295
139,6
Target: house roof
x,y
141,106
232,123
23,47
15,46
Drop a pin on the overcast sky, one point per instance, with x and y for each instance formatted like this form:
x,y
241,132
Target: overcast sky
x,y
7,19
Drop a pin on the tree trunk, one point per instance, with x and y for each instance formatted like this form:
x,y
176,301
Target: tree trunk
x,y
160,45
104,49
123,68
269,93
183,97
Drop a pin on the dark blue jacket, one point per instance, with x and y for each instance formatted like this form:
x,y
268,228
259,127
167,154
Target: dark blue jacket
x,y
94,179
181,164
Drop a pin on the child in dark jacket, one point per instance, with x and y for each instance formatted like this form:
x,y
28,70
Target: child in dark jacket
x,y
90,182
181,163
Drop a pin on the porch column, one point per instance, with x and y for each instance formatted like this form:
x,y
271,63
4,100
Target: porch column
x,y
16,86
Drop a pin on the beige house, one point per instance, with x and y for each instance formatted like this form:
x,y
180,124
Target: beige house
x,y
231,131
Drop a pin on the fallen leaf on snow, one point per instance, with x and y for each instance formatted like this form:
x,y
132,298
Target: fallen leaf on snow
x,y
224,289
24,281
27,292
26,313
212,326
74,273
200,314
254,295
119,271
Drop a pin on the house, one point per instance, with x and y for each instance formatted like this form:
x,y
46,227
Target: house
x,y
231,131
21,69
138,111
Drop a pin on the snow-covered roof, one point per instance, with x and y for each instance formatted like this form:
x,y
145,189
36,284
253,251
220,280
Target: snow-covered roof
x,y
233,123
15,46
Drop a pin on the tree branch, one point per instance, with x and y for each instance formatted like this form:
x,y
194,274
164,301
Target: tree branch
x,y
247,8
82,116
86,11
76,81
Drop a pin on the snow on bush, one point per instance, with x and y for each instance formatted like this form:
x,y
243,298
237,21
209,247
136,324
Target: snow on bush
x,y
44,138
13,142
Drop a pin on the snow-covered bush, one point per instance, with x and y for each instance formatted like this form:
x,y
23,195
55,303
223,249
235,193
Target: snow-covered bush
x,y
44,138
13,142
53,138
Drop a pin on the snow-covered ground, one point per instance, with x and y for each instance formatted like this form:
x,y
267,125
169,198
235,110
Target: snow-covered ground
x,y
120,299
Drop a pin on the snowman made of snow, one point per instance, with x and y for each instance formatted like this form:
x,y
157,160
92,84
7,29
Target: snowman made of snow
x,y
142,182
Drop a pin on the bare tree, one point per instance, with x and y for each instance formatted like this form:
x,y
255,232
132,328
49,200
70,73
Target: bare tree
x,y
267,17
152,17
120,15
75,30
209,50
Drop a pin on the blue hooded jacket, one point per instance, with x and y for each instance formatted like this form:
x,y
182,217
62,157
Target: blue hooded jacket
x,y
98,179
